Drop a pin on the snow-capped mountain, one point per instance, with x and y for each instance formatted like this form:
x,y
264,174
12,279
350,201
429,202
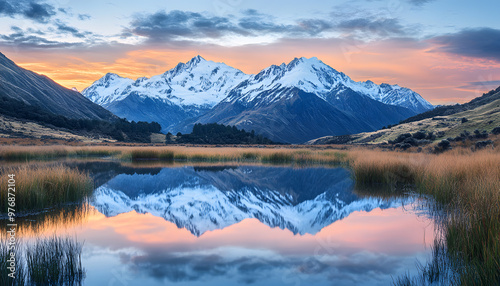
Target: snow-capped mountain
x,y
200,200
196,83
200,210
276,99
182,92
314,76
107,89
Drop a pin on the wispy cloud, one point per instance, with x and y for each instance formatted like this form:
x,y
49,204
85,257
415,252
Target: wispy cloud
x,y
420,2
162,26
381,27
37,38
65,29
84,17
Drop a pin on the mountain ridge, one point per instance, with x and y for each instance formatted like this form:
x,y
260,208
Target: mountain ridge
x,y
201,91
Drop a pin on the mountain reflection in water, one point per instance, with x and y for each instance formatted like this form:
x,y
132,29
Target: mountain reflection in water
x,y
202,199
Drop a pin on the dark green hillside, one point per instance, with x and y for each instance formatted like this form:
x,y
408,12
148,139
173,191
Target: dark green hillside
x,y
214,133
118,129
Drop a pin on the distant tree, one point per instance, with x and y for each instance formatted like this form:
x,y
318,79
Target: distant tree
x,y
213,133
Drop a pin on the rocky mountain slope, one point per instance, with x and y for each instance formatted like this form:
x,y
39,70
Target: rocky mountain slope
x,y
38,90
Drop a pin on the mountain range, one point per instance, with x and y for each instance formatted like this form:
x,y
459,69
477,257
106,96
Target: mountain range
x,y
202,199
294,102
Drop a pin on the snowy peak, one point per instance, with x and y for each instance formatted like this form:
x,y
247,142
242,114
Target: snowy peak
x,y
194,61
107,89
310,75
197,82
195,88
313,76
203,83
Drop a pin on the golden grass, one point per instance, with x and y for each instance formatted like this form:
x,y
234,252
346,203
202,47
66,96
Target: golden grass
x,y
181,153
466,184
40,187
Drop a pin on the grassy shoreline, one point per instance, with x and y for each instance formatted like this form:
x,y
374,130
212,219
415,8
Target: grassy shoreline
x,y
465,184
42,187
176,153
466,187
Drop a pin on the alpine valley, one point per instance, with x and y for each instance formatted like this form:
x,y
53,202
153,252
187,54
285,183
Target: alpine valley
x,y
292,103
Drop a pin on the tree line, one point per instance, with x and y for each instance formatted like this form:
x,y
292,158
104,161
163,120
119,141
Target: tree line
x,y
120,129
214,133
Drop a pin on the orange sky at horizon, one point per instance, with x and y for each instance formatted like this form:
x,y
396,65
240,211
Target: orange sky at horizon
x,y
428,73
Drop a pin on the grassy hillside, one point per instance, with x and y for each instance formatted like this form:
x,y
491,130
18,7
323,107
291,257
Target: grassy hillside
x,y
482,114
453,109
18,131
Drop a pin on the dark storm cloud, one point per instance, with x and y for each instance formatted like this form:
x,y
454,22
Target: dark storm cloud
x,y
34,10
481,43
379,27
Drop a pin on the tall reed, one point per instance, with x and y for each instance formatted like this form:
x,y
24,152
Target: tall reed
x,y
55,261
466,185
38,187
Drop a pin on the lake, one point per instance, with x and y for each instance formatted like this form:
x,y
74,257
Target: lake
x,y
238,225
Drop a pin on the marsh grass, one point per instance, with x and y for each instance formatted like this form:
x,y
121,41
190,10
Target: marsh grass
x,y
232,154
279,158
20,275
175,154
46,261
150,154
54,261
466,185
30,153
41,187
439,271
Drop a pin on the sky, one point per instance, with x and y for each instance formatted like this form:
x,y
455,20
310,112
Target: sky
x,y
446,50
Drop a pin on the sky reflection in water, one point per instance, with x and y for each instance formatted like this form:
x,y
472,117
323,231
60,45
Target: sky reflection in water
x,y
249,225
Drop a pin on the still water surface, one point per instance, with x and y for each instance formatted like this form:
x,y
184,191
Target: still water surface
x,y
243,225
